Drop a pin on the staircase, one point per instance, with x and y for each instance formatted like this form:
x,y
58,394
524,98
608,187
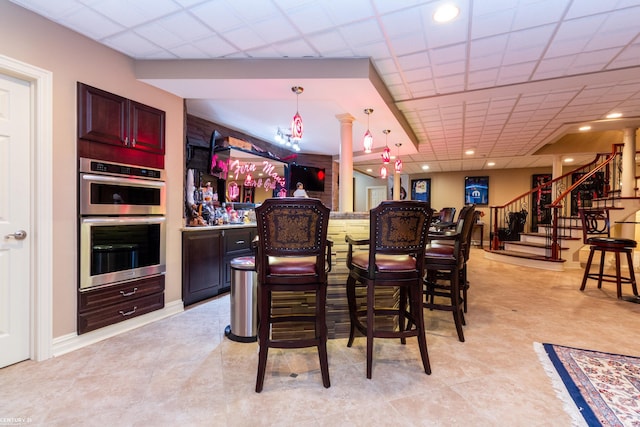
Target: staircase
x,y
558,243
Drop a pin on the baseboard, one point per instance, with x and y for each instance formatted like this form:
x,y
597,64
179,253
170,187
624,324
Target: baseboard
x,y
67,343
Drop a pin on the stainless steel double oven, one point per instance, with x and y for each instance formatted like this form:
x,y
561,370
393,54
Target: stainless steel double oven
x,y
122,222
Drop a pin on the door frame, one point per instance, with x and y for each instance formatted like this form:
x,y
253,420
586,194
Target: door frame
x,y
41,219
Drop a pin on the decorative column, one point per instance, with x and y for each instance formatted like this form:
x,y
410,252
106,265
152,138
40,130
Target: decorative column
x,y
555,173
345,189
396,186
628,177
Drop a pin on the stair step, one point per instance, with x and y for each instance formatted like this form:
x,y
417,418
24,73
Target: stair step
x,y
524,255
532,245
544,236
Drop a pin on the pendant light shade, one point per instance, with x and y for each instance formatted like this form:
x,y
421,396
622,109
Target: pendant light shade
x,y
398,165
368,137
386,153
296,123
383,172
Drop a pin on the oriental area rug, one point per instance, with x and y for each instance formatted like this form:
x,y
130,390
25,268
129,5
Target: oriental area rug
x,y
598,389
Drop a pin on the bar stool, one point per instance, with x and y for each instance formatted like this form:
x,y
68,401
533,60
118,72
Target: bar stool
x,y
395,259
596,232
293,255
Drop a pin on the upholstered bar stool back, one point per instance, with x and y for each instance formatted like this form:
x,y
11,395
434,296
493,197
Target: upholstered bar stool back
x,y
596,231
293,255
394,259
446,269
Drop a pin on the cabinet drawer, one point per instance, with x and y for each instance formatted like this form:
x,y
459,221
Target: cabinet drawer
x,y
124,292
108,315
237,240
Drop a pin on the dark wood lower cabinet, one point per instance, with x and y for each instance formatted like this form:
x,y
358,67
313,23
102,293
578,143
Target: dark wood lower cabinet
x,y
107,305
201,266
206,257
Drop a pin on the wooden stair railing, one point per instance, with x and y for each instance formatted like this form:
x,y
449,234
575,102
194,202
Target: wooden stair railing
x,y
560,185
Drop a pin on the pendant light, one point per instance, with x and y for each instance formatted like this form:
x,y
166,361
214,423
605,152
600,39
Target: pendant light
x,y
386,153
296,123
368,137
398,165
383,172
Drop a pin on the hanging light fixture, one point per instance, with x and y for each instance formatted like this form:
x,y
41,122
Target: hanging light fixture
x,y
368,138
386,153
383,172
296,123
398,165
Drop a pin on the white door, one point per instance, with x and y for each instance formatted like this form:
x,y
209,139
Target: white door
x,y
375,195
15,210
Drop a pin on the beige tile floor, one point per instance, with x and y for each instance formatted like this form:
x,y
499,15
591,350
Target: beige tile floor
x,y
182,371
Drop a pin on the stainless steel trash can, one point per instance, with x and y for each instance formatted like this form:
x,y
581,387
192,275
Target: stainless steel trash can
x,y
244,299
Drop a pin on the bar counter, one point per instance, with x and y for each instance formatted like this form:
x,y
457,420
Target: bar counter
x,y
355,224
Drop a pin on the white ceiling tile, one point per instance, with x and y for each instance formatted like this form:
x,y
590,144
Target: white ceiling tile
x,y
186,51
55,10
327,42
401,23
253,11
409,44
294,49
413,61
342,12
159,34
312,18
214,46
132,44
359,33
217,16
91,23
491,22
537,13
375,51
128,13
184,26
275,29
243,38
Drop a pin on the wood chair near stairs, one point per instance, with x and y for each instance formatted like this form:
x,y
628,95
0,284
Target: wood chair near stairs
x,y
596,231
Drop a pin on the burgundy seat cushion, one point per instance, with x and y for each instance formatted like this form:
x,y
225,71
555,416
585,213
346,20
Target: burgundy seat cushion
x,y
292,266
385,262
439,251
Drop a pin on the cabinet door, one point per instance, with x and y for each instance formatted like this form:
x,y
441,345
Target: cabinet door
x,y
146,128
236,243
201,265
102,116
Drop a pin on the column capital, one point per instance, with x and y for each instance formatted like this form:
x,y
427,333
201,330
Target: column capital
x,y
345,118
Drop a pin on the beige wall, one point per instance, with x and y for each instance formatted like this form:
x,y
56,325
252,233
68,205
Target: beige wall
x,y
70,57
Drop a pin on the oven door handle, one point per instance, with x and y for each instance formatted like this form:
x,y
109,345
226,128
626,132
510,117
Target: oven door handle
x,y
125,220
138,182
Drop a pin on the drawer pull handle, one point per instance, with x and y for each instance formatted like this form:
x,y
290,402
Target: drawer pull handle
x,y
128,313
128,294
239,242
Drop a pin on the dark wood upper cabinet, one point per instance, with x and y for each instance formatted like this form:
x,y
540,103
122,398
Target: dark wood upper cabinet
x,y
114,128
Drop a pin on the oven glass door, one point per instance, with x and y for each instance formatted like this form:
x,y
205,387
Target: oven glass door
x,y
108,195
118,249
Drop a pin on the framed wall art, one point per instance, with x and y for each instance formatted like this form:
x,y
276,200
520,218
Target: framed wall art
x,y
421,189
476,190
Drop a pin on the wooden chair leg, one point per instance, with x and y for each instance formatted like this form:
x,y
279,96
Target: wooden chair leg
x,y
370,327
321,333
587,269
353,307
632,275
455,304
418,314
618,276
263,338
601,274
402,309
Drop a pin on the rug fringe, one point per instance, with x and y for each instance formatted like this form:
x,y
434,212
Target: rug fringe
x,y
558,385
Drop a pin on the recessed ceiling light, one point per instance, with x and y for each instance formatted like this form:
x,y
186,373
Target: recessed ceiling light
x,y
491,163
425,167
469,152
369,170
614,115
584,128
446,12
568,160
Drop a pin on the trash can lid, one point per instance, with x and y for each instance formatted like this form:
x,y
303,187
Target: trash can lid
x,y
244,263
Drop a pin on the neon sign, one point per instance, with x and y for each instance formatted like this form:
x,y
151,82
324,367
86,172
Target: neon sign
x,y
244,171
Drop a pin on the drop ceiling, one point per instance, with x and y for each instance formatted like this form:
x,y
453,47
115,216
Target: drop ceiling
x,y
505,78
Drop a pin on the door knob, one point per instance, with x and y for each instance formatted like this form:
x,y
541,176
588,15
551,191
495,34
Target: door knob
x,y
18,235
